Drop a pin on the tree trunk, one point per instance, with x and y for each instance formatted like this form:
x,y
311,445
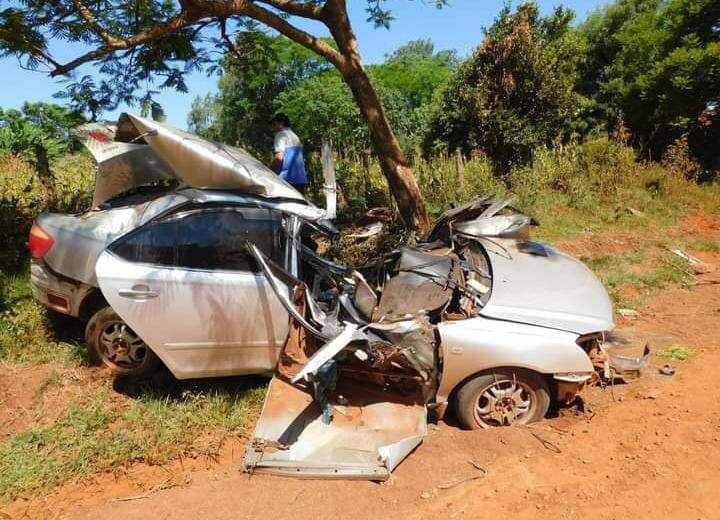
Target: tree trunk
x,y
42,167
392,160
400,176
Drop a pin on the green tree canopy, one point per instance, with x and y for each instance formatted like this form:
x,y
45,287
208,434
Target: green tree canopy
x,y
258,69
268,74
517,90
657,68
45,124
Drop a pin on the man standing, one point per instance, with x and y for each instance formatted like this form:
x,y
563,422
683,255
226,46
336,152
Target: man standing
x,y
288,161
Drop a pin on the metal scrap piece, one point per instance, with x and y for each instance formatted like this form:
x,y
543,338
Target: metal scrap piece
x,y
423,284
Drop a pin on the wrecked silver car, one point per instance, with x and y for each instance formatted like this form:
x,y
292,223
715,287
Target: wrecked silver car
x,y
208,275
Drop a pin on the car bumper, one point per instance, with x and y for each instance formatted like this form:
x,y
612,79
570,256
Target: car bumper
x,y
56,292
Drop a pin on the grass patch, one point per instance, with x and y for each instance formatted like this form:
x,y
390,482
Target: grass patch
x,y
676,352
705,245
609,262
102,431
28,334
633,276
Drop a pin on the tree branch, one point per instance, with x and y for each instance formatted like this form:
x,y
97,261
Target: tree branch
x,y
311,11
196,10
313,43
174,25
89,17
228,42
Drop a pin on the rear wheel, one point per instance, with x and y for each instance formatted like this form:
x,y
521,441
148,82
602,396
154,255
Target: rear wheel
x,y
111,341
503,397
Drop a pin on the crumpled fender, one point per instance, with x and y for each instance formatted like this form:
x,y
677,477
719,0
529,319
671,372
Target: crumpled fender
x,y
471,346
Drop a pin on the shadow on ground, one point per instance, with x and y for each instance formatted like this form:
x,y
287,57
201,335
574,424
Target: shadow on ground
x,y
163,384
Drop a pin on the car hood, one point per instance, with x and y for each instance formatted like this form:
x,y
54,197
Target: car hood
x,y
537,284
140,151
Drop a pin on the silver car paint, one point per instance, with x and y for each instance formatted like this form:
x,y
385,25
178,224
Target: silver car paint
x,y
120,166
366,441
553,290
199,323
476,344
79,239
44,280
201,163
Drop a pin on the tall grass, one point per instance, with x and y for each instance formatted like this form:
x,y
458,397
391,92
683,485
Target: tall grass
x,y
598,184
99,432
23,196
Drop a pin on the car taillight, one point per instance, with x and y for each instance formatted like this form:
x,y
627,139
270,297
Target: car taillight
x,y
40,241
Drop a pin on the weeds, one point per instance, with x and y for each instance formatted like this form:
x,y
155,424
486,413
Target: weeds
x,y
27,334
633,276
704,245
676,352
101,432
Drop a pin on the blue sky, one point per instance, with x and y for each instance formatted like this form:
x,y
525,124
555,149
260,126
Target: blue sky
x,y
458,26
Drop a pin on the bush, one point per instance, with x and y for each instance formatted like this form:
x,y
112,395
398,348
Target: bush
x,y
23,196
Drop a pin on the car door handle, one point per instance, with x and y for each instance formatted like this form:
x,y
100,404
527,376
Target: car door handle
x,y
138,292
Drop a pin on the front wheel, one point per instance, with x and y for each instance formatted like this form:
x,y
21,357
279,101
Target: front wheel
x,y
113,342
502,397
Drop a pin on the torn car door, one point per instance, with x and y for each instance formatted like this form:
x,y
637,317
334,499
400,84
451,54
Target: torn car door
x,y
324,419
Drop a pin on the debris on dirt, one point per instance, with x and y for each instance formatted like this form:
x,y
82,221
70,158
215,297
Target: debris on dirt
x,y
698,266
652,393
630,314
667,370
456,482
546,443
165,484
624,363
636,212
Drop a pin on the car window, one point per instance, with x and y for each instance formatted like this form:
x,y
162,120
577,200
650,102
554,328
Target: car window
x,y
204,239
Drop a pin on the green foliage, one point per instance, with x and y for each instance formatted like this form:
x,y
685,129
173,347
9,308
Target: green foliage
x,y
259,70
322,106
654,65
416,70
37,124
98,433
515,92
675,352
268,74
27,330
23,196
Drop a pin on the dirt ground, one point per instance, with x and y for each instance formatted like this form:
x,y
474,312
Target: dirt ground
x,y
647,449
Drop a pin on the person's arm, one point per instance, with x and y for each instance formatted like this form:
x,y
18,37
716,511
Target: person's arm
x,y
277,161
278,152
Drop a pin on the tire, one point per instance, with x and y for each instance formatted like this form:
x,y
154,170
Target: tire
x,y
112,342
502,397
